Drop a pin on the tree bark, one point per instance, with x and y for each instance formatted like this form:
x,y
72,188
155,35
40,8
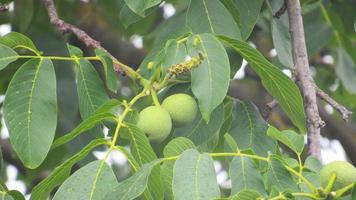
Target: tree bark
x,y
303,75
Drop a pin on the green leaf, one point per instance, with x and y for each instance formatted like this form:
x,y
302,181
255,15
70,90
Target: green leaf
x,y
346,70
30,111
139,6
90,88
88,183
174,148
247,195
61,173
110,75
17,40
101,114
245,175
210,81
249,130
274,80
134,186
312,163
282,42
23,14
207,16
245,14
143,153
174,53
279,176
194,177
199,131
289,138
7,56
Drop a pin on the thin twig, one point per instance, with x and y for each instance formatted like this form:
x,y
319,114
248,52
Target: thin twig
x,y
344,112
3,8
281,10
305,81
64,27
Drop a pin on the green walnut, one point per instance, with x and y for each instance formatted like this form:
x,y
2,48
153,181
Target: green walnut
x,y
155,122
345,174
182,108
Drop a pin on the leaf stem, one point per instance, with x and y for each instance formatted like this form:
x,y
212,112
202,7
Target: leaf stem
x,y
306,181
331,182
154,97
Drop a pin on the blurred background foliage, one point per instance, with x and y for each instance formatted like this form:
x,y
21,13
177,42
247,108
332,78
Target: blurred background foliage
x,y
330,37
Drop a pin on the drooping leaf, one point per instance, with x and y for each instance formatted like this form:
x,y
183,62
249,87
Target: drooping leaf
x,y
88,183
282,42
199,131
210,80
143,153
245,14
274,80
174,148
249,130
110,76
139,6
207,16
346,70
279,176
194,177
247,195
30,111
134,186
7,56
61,173
17,40
245,175
288,137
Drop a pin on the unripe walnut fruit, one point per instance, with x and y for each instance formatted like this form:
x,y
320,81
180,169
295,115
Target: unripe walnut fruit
x,y
345,174
155,122
182,108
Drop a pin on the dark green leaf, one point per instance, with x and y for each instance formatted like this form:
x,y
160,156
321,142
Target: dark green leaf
x,y
282,42
275,81
245,14
346,70
210,81
249,130
143,153
61,173
199,131
30,111
247,195
23,14
245,175
17,40
194,177
279,176
210,16
174,148
7,56
139,6
110,76
134,186
90,182
289,138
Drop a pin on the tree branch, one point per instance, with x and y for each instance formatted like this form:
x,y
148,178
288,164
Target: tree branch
x,y
345,113
303,75
64,27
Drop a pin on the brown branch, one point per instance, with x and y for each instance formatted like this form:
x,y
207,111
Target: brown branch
x,y
64,27
303,75
3,8
281,10
345,113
